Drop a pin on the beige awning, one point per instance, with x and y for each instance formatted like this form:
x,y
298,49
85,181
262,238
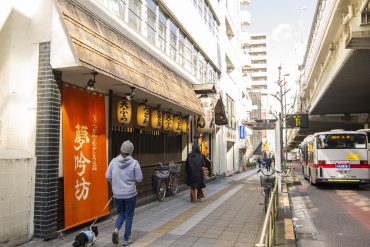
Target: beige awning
x,y
204,88
100,47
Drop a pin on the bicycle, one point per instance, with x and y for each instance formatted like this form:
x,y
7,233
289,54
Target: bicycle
x,y
267,182
167,179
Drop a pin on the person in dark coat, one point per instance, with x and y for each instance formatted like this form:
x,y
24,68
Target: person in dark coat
x,y
195,178
268,164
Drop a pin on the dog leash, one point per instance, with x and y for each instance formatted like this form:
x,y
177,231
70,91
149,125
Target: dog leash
x,y
102,211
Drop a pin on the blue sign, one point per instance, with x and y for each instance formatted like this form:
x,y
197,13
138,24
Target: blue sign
x,y
242,132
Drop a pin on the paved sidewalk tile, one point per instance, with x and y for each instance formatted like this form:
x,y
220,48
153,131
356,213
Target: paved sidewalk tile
x,y
230,215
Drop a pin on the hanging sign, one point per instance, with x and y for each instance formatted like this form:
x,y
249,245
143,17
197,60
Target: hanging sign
x,y
124,111
143,115
206,123
84,156
176,127
167,121
157,119
185,125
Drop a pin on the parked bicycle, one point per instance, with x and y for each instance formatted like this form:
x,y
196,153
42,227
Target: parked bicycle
x,y
167,179
268,183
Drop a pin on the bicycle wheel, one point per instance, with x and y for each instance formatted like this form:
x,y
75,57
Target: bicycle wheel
x,y
161,190
174,184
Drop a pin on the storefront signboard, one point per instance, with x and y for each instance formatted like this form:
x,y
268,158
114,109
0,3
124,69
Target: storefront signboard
x,y
84,156
206,123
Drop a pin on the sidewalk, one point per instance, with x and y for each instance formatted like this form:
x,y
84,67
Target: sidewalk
x,y
230,215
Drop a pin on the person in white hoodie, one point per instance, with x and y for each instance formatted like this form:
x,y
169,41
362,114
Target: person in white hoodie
x,y
123,173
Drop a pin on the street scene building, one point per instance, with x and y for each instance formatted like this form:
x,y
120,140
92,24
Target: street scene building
x,y
80,77
87,75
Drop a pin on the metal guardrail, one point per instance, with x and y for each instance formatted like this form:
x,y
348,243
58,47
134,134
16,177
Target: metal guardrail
x,y
267,236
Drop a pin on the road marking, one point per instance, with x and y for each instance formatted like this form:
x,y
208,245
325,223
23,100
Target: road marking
x,y
288,229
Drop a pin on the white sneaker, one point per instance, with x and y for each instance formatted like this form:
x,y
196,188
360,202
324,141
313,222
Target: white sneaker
x,y
128,242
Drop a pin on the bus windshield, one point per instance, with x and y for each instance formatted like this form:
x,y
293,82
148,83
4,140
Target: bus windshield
x,y
341,141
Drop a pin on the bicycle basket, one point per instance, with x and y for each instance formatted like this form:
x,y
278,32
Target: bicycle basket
x,y
175,168
267,181
162,174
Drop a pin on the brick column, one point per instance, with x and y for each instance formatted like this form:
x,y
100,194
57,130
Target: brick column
x,y
47,146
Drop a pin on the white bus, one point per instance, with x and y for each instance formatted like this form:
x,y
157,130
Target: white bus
x,y
336,157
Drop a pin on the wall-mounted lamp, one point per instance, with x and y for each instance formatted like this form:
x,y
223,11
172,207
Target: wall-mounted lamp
x,y
90,86
131,95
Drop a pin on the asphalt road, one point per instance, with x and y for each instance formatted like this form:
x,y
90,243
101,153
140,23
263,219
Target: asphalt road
x,y
341,213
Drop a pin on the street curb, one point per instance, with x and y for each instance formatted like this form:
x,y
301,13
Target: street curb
x,y
285,232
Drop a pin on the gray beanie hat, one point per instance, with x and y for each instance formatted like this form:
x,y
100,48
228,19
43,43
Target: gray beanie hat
x,y
127,147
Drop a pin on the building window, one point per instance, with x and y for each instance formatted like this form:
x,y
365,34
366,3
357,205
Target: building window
x,y
151,20
188,55
230,106
173,40
365,15
116,7
162,31
195,61
200,7
202,69
181,48
134,14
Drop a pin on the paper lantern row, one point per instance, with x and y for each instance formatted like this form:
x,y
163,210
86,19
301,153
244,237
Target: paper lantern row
x,y
155,118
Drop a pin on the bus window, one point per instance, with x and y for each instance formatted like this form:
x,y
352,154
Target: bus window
x,y
341,141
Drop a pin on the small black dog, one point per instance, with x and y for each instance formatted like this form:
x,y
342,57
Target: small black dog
x,y
86,237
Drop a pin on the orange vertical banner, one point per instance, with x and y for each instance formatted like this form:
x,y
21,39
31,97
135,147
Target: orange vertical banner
x,y
84,156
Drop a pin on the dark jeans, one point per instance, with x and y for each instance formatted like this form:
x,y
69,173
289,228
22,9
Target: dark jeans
x,y
268,167
125,210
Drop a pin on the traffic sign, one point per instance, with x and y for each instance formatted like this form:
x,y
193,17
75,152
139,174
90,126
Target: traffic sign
x,y
296,121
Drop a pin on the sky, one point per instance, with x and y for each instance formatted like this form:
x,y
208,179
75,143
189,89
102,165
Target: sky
x,y
287,24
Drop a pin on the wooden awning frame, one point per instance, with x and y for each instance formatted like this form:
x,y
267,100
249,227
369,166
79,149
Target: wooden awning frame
x,y
100,47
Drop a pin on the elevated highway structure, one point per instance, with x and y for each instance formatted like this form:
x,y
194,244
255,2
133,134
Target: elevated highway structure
x,y
335,74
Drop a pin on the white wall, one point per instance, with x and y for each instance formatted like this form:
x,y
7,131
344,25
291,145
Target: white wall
x,y
17,180
23,25
231,83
